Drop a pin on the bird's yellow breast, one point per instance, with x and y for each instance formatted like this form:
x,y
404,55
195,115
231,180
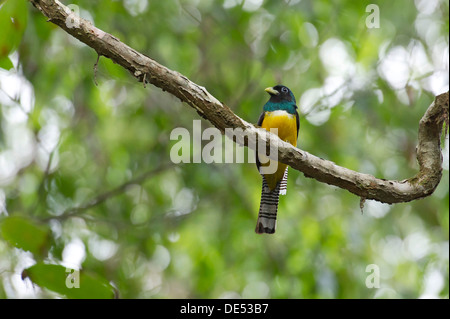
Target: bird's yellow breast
x,y
286,125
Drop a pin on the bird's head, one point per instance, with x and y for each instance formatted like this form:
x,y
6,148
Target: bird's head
x,y
280,93
280,98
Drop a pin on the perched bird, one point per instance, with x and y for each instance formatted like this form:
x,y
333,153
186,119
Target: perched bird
x,y
279,112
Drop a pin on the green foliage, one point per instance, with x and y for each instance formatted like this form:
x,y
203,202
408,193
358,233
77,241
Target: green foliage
x,y
86,180
13,21
55,278
23,233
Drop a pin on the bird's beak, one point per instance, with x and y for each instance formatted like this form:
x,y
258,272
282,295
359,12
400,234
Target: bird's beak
x,y
271,91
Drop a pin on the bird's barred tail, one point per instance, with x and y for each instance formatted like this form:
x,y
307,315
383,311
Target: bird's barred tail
x,y
283,183
267,217
268,209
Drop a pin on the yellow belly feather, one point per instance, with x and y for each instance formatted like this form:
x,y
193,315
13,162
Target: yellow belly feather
x,y
287,131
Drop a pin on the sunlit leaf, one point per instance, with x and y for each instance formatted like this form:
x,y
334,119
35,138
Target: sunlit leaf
x,y
13,21
5,63
69,282
23,233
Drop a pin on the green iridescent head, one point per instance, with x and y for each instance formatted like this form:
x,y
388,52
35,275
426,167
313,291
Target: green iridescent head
x,y
281,98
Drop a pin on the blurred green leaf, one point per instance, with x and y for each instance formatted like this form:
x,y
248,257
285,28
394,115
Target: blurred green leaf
x,y
71,283
23,233
5,63
13,21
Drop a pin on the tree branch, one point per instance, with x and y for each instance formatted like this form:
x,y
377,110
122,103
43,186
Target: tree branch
x,y
364,185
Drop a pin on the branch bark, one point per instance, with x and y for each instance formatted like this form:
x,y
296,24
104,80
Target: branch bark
x,y
366,186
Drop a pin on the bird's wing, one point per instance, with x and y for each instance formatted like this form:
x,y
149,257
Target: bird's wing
x,y
259,123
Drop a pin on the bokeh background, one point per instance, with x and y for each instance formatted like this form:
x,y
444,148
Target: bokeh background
x,y
86,180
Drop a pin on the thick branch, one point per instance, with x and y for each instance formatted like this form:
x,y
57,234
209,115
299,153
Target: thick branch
x,y
364,185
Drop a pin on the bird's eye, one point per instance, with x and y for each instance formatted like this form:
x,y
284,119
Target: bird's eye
x,y
284,90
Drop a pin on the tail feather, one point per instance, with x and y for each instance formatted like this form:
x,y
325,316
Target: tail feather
x,y
267,217
283,183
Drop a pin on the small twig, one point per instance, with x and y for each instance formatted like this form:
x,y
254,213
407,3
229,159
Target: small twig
x,y
41,188
109,194
361,204
95,69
